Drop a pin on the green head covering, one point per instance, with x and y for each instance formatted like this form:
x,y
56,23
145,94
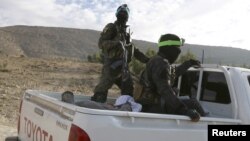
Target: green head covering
x,y
170,40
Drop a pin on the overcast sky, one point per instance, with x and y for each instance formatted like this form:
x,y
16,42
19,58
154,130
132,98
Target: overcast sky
x,y
206,22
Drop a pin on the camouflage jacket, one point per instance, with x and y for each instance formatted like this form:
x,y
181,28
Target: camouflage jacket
x,y
109,42
160,75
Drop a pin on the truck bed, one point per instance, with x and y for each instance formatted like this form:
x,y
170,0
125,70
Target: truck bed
x,y
54,98
45,109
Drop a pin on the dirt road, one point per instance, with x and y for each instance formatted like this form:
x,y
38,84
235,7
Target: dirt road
x,y
6,131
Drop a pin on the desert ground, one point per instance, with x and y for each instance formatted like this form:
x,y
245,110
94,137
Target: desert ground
x,y
18,74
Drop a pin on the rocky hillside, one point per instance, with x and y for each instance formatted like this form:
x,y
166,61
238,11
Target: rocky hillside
x,y
54,42
47,42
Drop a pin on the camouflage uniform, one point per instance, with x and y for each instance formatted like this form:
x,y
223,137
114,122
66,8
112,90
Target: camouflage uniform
x,y
160,76
112,51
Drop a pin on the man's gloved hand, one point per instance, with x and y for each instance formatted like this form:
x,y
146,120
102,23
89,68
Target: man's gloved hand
x,y
194,63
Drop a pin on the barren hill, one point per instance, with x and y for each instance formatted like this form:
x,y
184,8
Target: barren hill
x,y
55,42
48,42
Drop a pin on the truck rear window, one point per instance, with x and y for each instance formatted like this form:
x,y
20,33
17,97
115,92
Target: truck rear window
x,y
189,84
214,88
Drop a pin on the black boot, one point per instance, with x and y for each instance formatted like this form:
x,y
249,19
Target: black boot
x,y
193,114
99,97
194,104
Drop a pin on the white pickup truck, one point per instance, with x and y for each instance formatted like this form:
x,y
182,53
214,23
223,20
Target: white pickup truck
x,y
223,91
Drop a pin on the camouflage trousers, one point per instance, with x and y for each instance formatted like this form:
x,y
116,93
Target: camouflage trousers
x,y
109,77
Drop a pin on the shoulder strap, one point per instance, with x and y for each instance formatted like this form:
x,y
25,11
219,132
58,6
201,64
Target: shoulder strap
x,y
120,33
144,78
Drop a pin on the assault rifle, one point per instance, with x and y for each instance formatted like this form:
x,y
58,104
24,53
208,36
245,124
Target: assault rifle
x,y
125,69
125,42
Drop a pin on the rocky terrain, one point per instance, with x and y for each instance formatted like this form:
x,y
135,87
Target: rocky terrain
x,y
18,74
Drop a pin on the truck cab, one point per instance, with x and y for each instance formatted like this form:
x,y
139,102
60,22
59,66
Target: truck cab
x,y
219,89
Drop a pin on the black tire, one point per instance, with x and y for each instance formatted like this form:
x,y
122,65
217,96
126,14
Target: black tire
x,y
14,138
